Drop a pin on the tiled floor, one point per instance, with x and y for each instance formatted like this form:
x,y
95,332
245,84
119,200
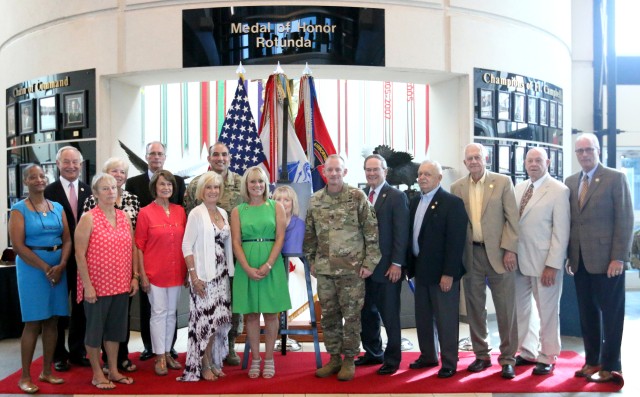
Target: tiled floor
x,y
10,354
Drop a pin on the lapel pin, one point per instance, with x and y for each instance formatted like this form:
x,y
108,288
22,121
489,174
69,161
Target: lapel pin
x,y
490,186
384,195
597,179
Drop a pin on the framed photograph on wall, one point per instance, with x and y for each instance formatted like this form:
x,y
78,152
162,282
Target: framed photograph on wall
x,y
553,162
485,100
560,168
519,154
25,189
532,110
504,159
13,180
48,113
553,114
50,171
26,118
11,120
519,108
489,160
504,106
560,111
74,110
544,112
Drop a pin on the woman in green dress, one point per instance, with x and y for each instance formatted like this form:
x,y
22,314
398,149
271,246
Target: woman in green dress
x,y
260,282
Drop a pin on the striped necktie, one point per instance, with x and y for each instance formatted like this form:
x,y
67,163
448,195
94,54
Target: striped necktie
x,y
583,192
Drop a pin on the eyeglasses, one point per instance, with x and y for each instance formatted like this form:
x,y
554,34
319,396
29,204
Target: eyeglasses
x,y
587,150
153,154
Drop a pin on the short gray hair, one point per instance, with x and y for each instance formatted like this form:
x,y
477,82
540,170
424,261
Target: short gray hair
x,y
65,148
99,177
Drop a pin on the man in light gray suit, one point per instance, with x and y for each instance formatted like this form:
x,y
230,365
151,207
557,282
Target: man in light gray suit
x,y
599,244
490,257
542,249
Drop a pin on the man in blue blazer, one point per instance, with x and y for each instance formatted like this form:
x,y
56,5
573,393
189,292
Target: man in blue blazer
x,y
438,232
68,188
599,244
382,289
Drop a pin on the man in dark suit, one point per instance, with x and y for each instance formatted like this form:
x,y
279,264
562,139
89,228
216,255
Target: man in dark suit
x,y
599,244
489,258
71,193
139,185
438,231
382,289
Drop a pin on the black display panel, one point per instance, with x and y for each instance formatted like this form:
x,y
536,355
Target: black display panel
x,y
288,34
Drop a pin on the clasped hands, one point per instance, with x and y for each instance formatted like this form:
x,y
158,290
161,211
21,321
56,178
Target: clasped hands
x,y
260,272
54,274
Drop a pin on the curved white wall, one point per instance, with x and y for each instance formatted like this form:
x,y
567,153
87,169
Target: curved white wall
x,y
132,43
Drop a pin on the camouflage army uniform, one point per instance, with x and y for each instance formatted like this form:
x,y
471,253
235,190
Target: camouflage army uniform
x,y
341,236
230,199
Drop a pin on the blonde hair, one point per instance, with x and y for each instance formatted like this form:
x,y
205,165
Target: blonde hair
x,y
250,173
287,191
206,178
114,162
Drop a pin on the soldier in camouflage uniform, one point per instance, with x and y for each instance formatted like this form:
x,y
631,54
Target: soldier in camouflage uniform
x,y
219,160
341,244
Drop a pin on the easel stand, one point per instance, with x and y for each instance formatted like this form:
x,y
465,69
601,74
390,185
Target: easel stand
x,y
284,331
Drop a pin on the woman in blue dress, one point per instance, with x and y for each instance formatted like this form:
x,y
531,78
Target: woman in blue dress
x,y
40,237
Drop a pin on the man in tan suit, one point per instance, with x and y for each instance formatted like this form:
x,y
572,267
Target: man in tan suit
x,y
490,257
599,244
542,249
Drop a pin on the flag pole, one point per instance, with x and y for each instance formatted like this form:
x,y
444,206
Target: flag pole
x,y
284,172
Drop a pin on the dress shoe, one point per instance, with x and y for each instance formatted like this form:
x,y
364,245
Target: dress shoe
x,y
421,363
146,355
520,361
367,360
80,361
387,369
508,372
27,386
446,373
606,376
61,366
586,371
173,353
479,365
543,369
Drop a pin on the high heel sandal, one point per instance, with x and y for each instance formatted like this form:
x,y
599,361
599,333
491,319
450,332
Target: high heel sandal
x,y
160,366
254,370
171,362
217,371
206,369
269,369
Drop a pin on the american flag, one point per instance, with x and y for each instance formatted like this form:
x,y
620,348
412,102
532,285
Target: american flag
x,y
240,134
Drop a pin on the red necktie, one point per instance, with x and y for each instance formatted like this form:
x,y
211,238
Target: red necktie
x,y
371,194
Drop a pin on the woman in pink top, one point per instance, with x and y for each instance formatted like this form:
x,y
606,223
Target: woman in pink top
x,y
159,233
106,278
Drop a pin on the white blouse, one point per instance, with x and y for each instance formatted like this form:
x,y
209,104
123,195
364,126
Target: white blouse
x,y
199,241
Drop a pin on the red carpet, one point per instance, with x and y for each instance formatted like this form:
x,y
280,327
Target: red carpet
x,y
295,374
